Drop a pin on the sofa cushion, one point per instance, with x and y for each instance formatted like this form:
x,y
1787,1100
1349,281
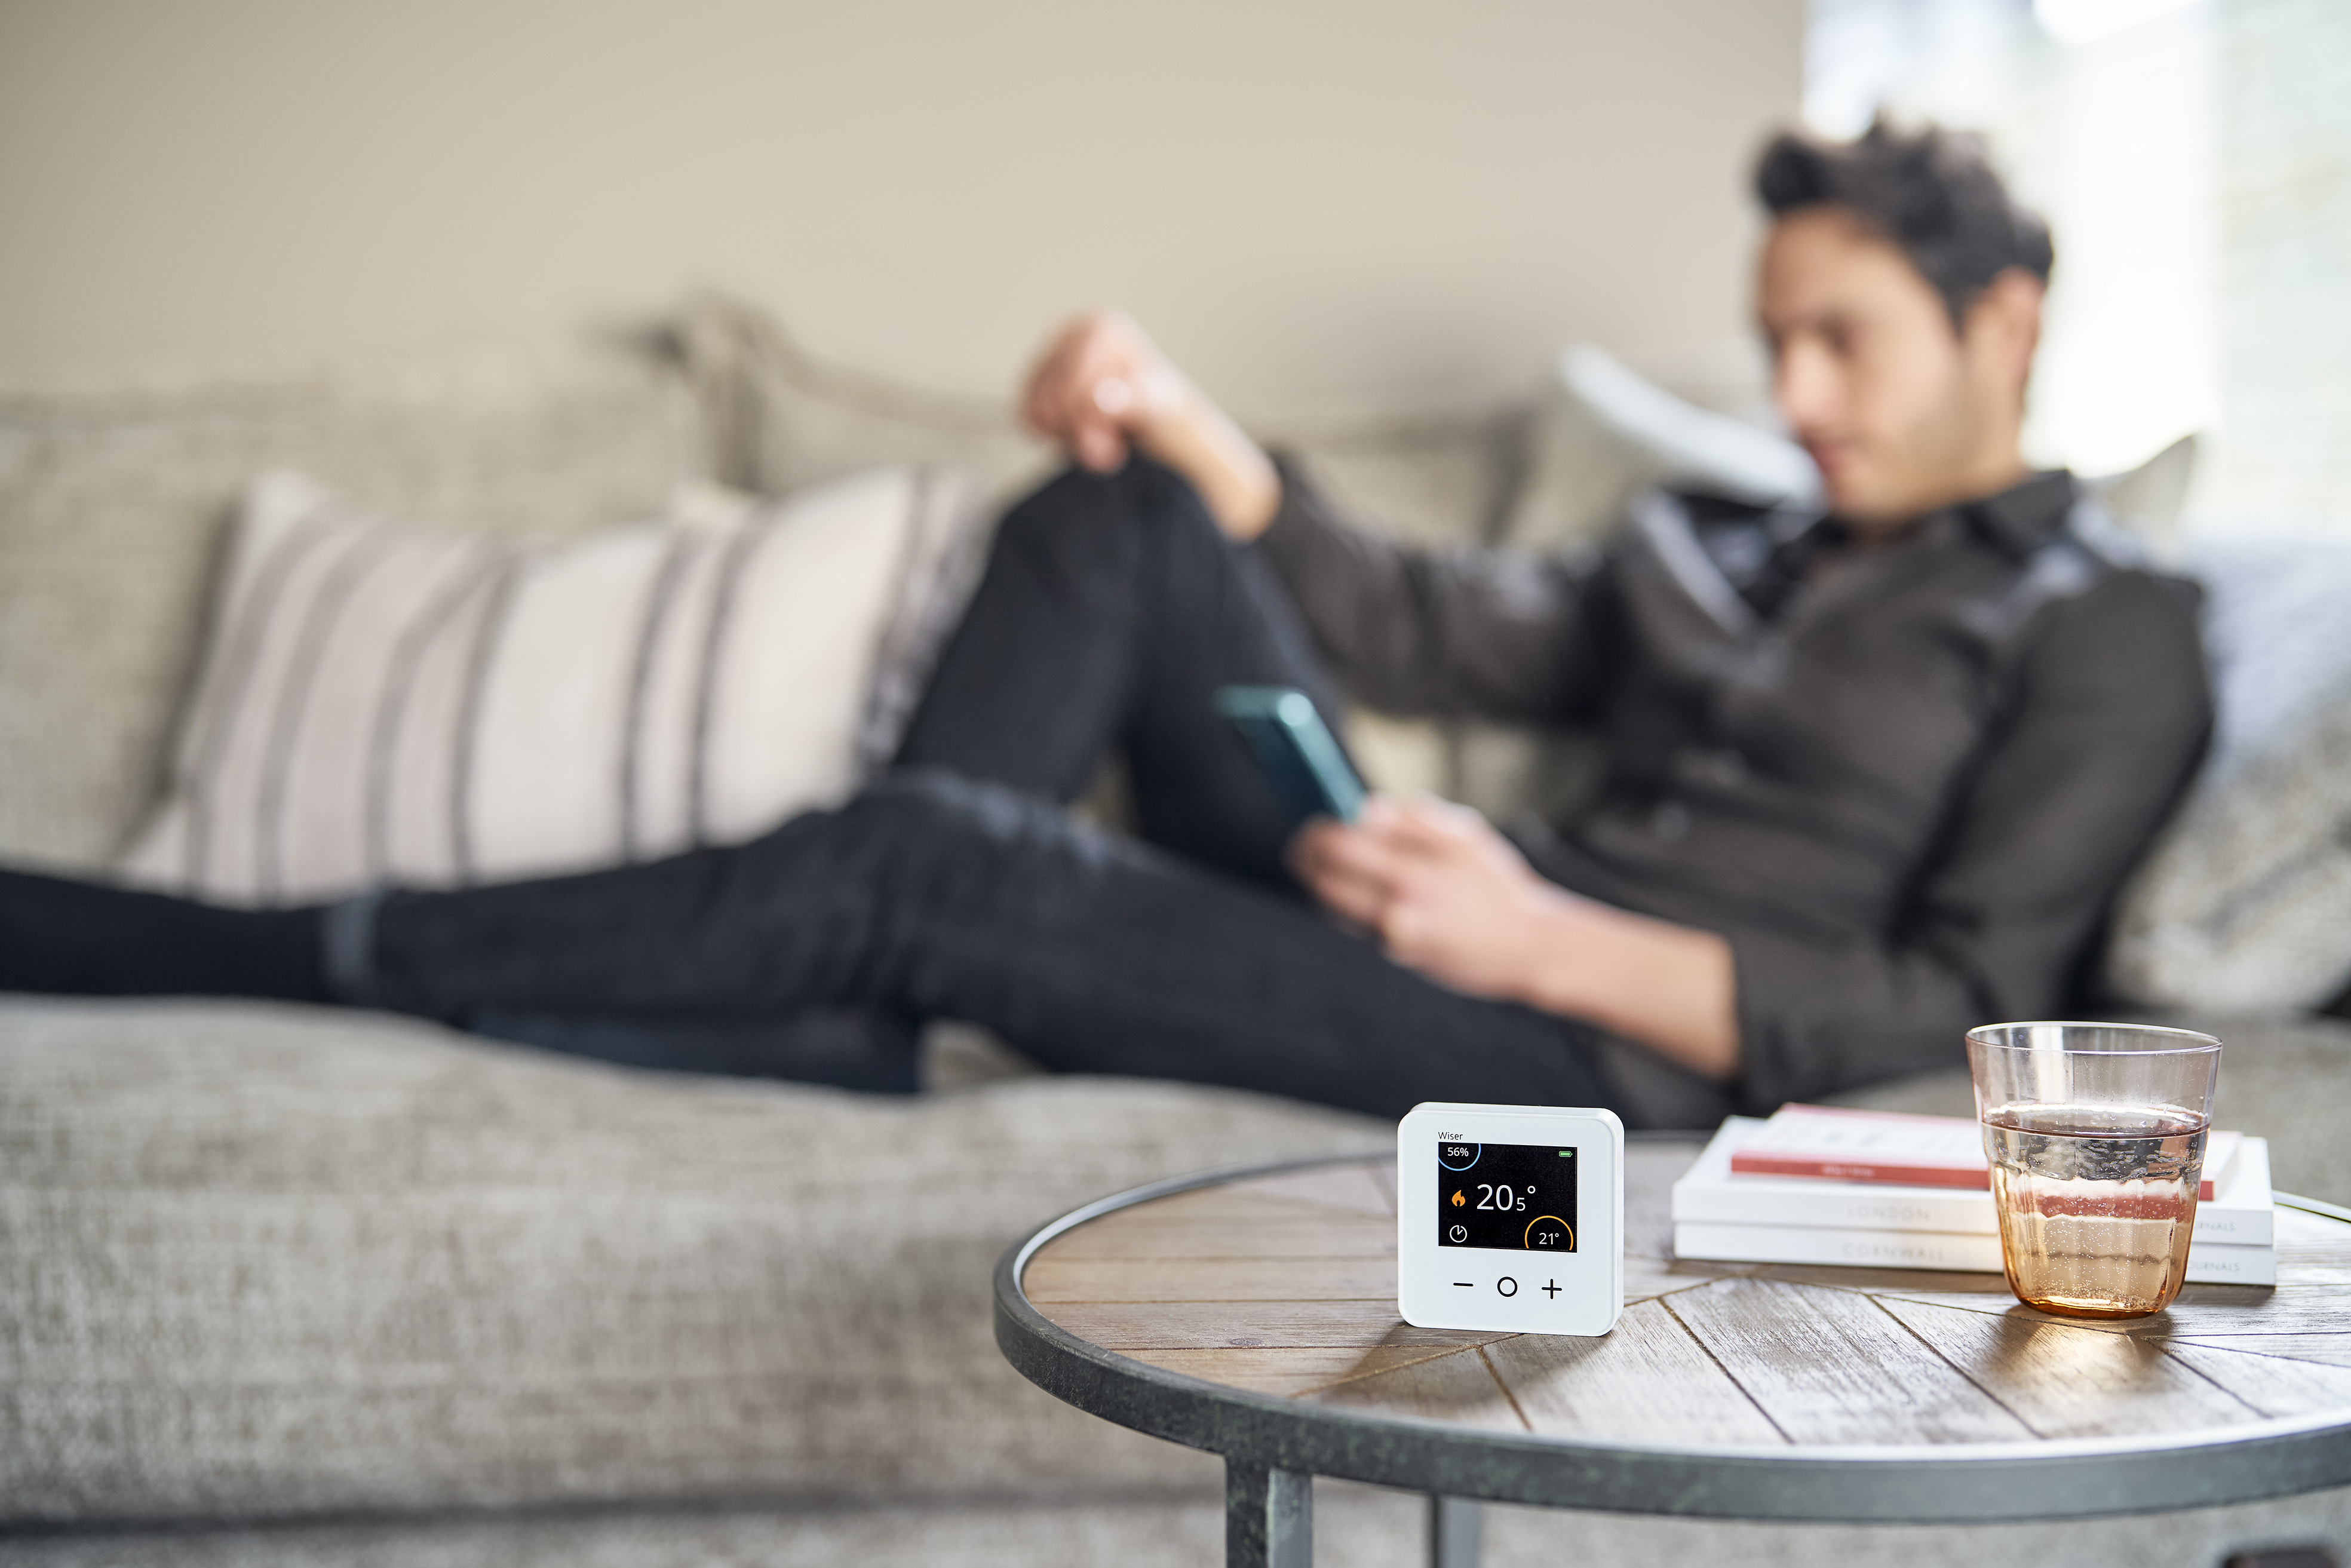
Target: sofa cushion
x,y
383,703
267,1260
779,419
112,502
1437,478
2244,904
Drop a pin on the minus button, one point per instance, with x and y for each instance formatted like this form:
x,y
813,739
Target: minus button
x,y
1463,1285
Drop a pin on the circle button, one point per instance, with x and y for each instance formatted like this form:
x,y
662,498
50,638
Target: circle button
x,y
1506,1286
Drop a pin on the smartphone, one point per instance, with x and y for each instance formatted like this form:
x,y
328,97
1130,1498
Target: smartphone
x,y
1302,761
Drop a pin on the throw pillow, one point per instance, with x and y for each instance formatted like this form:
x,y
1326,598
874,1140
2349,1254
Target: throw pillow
x,y
383,704
115,499
2244,904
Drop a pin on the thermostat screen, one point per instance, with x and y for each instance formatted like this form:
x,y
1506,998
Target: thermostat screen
x,y
1513,1197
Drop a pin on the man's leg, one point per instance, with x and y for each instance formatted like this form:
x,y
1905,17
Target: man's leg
x,y
1110,612
80,938
934,895
94,939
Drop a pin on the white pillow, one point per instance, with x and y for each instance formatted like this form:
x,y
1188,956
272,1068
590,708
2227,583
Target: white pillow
x,y
1602,431
385,704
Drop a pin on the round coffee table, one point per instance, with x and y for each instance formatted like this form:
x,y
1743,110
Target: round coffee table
x,y
1252,1313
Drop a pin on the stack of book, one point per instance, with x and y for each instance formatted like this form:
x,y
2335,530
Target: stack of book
x,y
1817,1184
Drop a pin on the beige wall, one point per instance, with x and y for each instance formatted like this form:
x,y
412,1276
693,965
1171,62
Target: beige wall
x,y
1309,202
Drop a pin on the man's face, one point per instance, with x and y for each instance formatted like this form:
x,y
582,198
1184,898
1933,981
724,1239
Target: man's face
x,y
1902,412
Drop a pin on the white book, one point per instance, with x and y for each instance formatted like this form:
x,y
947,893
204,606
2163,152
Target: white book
x,y
2239,1214
2209,1263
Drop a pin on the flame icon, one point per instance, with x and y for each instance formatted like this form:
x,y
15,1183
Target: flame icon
x,y
1458,1200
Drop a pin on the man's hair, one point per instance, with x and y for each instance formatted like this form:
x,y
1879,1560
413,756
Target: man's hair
x,y
1932,192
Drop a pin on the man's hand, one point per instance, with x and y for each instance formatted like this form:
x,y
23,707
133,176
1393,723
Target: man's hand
x,y
1446,893
1100,387
1103,390
1449,896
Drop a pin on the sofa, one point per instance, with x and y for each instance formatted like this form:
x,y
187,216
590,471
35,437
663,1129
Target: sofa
x,y
281,1284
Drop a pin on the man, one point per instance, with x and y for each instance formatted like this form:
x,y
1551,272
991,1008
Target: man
x,y
1873,773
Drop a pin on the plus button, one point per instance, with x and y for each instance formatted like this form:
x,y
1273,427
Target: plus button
x,y
1551,1289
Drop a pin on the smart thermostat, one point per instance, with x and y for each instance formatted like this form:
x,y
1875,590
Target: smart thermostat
x,y
1510,1219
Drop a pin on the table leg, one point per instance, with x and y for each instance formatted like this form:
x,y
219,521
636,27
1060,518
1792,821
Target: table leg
x,y
1269,1517
1457,1531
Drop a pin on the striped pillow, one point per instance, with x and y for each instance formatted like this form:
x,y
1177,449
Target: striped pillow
x,y
382,704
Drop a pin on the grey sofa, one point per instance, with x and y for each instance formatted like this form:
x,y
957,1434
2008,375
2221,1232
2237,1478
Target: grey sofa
x,y
282,1284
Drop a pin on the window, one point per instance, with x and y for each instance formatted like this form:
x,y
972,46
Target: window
x,y
2194,159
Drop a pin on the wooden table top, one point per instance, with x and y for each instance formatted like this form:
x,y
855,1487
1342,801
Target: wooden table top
x,y
1283,1285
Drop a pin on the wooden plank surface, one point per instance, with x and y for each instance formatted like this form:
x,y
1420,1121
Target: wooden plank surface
x,y
1212,1206
1351,1188
1285,1285
1342,1236
2302,1234
1832,1366
1988,1292
2318,1349
2272,1384
1648,1277
1290,1370
2067,1382
1647,1382
2312,1297
2202,1311
1458,1388
1650,1171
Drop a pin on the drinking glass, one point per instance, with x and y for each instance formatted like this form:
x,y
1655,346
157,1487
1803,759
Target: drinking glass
x,y
2095,1134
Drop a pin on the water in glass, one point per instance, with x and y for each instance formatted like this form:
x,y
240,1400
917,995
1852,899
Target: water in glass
x,y
2096,1204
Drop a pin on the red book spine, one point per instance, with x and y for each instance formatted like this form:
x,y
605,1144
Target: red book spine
x,y
1890,1173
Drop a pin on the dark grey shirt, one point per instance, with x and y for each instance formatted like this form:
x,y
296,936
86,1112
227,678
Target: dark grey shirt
x,y
1903,781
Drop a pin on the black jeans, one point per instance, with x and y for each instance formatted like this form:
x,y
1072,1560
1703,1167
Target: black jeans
x,y
957,886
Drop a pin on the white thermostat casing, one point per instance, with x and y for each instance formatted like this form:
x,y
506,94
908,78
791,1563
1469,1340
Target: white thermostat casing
x,y
1510,1219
